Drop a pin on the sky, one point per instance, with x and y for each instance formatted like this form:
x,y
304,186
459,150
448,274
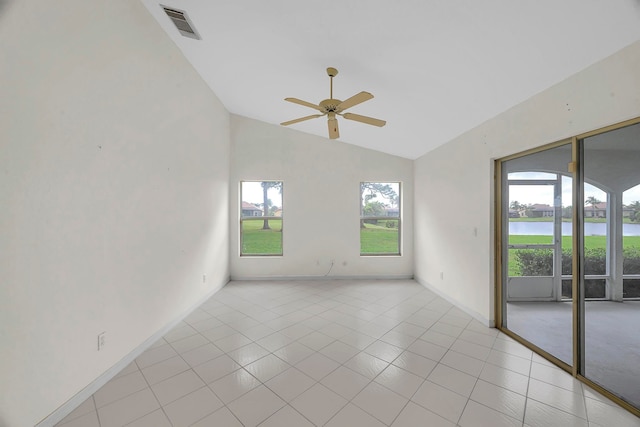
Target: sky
x,y
543,194
524,194
252,193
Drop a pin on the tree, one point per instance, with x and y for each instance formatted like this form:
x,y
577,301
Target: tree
x,y
528,210
371,190
567,211
635,213
516,206
266,185
593,202
374,208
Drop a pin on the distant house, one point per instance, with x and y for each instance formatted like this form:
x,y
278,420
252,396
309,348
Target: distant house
x,y
597,211
278,212
540,210
249,209
394,212
626,212
514,213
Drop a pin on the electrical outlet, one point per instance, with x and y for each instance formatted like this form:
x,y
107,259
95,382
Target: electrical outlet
x,y
442,275
204,278
101,340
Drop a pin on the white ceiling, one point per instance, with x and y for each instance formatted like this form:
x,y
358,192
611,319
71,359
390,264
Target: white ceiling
x,y
436,68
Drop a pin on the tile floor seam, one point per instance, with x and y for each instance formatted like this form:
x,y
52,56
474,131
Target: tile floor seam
x,y
462,412
209,414
119,398
194,348
584,398
502,413
475,385
409,400
174,375
96,409
157,400
561,410
350,401
469,397
526,405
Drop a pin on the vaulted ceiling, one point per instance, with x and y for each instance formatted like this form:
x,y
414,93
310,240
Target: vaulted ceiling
x,y
437,68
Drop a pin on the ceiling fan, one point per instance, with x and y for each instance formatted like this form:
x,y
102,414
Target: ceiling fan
x,y
332,107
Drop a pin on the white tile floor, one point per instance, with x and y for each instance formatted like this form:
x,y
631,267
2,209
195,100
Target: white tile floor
x,y
340,353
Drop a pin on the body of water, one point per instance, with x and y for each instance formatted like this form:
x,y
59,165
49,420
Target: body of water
x,y
590,228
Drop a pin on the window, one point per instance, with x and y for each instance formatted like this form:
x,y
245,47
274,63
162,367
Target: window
x,y
379,218
260,218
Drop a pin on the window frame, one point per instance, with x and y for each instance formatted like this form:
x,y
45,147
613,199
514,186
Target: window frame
x,y
398,218
243,219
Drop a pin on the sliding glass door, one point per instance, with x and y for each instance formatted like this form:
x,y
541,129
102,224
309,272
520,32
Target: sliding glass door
x,y
536,197
611,171
568,256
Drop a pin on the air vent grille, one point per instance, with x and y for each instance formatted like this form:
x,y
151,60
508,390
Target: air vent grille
x,y
182,22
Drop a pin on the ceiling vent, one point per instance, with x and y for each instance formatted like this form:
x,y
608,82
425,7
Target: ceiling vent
x,y
182,22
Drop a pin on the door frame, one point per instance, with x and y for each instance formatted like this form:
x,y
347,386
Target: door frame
x,y
576,170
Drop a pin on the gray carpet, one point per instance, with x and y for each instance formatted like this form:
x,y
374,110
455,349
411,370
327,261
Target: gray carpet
x,y
612,339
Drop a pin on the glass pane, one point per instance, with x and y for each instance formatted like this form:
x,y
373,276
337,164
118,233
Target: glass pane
x,y
256,240
379,235
531,175
595,288
380,199
567,288
379,238
538,199
530,262
531,214
631,288
261,218
595,258
611,336
631,231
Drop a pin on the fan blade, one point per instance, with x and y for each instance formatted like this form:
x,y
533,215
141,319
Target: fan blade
x,y
364,119
301,119
354,100
305,103
334,133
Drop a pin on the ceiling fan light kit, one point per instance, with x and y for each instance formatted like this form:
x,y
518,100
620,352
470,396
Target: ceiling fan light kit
x,y
334,107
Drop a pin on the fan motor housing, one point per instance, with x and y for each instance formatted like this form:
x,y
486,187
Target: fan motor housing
x,y
330,105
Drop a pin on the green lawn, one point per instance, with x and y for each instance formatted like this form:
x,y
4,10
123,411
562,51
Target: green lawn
x,y
374,239
256,241
590,241
379,239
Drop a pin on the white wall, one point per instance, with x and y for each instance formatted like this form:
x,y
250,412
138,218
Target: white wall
x,y
321,202
454,183
114,193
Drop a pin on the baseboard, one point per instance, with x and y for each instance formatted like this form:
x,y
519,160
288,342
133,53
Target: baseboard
x,y
68,407
480,318
272,278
